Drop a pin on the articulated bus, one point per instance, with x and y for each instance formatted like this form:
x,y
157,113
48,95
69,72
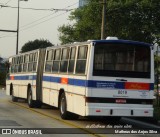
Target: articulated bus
x,y
109,77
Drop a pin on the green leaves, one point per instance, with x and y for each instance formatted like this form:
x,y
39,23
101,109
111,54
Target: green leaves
x,y
86,24
36,44
127,19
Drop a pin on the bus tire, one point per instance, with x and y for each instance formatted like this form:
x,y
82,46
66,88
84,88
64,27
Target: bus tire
x,y
29,99
14,99
63,107
38,104
73,116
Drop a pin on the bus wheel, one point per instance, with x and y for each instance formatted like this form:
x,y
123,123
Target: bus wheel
x,y
63,107
29,99
38,104
73,116
14,99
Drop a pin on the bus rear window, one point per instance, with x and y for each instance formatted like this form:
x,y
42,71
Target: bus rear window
x,y
121,60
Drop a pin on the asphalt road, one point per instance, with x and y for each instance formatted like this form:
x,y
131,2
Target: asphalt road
x,y
19,115
14,116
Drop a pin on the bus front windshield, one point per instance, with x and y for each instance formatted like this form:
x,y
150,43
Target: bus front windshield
x,y
121,60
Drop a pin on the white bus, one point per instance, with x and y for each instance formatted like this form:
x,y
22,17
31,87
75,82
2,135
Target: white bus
x,y
94,78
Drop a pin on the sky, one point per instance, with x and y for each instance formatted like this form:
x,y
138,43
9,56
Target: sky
x,y
33,24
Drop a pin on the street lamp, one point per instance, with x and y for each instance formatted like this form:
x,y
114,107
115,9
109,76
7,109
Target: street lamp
x,y
18,27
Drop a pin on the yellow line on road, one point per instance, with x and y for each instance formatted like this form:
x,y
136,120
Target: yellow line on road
x,y
58,119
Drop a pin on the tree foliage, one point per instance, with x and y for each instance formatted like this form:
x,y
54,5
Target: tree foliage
x,y
126,19
36,44
3,71
3,78
156,64
87,24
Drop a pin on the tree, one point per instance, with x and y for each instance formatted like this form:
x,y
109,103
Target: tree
x,y
36,44
135,19
87,24
126,19
3,71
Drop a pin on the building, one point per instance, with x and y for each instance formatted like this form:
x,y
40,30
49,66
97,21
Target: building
x,y
82,2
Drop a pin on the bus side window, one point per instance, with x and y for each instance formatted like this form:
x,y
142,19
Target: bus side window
x,y
12,66
34,61
20,64
16,65
49,62
64,60
25,63
30,64
56,60
81,59
72,60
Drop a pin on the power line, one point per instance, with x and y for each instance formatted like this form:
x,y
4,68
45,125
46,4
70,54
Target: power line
x,y
51,9
46,16
8,30
39,22
34,25
6,3
45,21
0,9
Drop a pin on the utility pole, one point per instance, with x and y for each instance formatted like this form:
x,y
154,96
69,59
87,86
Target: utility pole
x,y
103,20
17,29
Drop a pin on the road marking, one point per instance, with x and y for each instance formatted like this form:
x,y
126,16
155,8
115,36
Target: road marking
x,y
58,119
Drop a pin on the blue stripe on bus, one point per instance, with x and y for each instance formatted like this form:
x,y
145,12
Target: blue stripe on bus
x,y
51,79
80,82
77,82
151,86
26,77
106,84
71,81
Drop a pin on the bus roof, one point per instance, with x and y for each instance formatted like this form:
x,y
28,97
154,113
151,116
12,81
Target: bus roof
x,y
119,41
107,41
122,42
28,52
